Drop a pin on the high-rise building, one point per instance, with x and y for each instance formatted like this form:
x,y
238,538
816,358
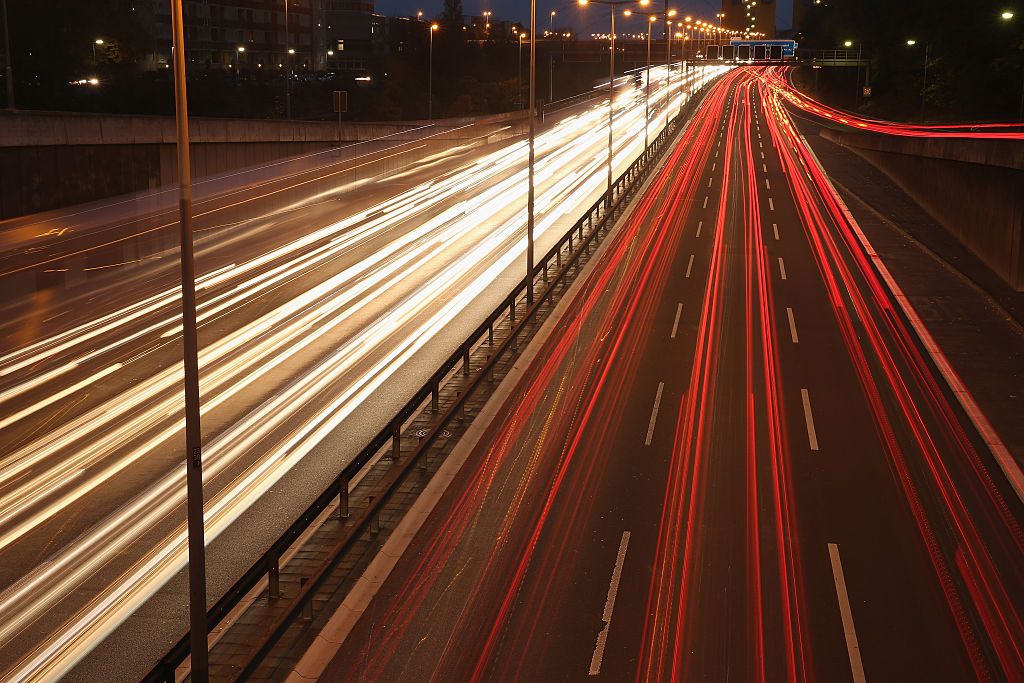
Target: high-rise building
x,y
750,16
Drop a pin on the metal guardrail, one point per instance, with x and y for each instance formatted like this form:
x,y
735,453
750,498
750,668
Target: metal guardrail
x,y
562,256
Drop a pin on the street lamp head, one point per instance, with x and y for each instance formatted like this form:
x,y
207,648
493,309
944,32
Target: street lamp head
x,y
291,50
672,13
911,42
582,2
627,13
241,48
553,13
330,53
1006,15
652,19
434,27
848,43
99,41
645,3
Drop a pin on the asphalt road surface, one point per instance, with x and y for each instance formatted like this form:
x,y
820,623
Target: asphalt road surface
x,y
732,459
322,307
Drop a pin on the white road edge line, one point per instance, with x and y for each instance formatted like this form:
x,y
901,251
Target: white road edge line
x,y
988,433
792,325
812,435
609,605
856,666
782,268
675,325
657,406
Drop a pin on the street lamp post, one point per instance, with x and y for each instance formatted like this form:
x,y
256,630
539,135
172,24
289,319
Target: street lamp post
x,y
193,434
533,129
238,61
551,22
611,81
430,75
98,41
8,68
519,73
651,18
288,66
924,79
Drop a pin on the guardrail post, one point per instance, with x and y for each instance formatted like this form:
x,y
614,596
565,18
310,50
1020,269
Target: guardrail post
x,y
343,499
558,255
465,361
307,608
374,518
274,576
545,272
490,333
512,310
396,441
433,395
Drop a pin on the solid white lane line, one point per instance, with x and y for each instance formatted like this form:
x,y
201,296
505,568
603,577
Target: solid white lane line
x,y
782,268
706,201
775,229
768,185
675,325
856,666
700,224
792,325
657,402
689,266
771,204
609,605
812,435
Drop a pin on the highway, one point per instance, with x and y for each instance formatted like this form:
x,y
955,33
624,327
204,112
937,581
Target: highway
x,y
733,458
318,317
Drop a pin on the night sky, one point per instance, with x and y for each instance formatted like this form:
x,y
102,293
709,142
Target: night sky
x,y
569,13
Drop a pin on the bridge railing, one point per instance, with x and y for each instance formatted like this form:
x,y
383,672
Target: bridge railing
x,y
549,271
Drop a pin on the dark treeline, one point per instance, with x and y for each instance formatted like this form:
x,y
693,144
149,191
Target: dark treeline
x,y
53,43
975,57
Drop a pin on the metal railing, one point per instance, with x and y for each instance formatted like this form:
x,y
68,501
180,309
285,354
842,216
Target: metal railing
x,y
560,258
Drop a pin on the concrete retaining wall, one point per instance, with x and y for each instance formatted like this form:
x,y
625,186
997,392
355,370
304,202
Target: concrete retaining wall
x,y
53,159
973,188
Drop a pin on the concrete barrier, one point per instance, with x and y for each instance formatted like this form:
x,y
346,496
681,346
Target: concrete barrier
x,y
54,159
974,188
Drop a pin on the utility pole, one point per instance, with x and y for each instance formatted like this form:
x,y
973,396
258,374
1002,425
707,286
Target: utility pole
x,y
531,195
8,68
193,433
